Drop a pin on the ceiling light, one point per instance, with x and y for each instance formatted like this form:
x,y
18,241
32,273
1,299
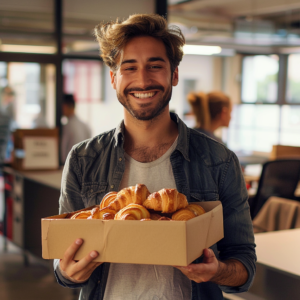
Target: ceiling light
x,y
201,50
28,49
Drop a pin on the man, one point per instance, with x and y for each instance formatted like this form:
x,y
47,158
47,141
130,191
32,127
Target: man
x,y
75,130
153,147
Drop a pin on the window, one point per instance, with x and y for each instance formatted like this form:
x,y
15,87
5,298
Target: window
x,y
264,118
259,79
28,93
293,79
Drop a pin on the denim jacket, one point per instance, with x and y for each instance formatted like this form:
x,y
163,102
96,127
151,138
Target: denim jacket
x,y
204,170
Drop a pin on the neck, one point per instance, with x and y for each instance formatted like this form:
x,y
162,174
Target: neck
x,y
151,138
214,125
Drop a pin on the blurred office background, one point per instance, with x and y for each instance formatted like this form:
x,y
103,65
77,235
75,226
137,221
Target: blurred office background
x,y
250,50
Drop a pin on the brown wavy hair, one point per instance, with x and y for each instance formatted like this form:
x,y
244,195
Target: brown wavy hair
x,y
114,35
207,107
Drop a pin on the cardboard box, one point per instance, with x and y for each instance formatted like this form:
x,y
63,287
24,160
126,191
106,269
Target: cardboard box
x,y
150,242
36,149
282,151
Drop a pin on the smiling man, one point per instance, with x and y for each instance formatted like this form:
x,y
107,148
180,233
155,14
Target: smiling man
x,y
154,147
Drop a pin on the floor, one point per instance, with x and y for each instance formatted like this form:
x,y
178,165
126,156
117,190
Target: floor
x,y
30,279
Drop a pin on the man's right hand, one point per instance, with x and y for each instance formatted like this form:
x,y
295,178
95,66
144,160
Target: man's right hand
x,y
81,270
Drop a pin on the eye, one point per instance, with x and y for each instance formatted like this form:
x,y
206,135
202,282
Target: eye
x,y
129,68
155,67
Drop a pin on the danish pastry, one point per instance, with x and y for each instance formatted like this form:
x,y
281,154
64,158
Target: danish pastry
x,y
166,201
133,212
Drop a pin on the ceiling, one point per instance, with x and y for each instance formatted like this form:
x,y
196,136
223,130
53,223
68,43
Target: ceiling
x,y
243,25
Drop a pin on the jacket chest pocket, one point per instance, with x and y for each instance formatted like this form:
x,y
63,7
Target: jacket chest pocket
x,y
199,196
93,192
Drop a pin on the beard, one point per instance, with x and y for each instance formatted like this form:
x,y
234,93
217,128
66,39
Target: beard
x,y
146,113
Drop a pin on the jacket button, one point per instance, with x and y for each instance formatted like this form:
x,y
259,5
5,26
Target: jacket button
x,y
120,159
92,190
112,186
99,281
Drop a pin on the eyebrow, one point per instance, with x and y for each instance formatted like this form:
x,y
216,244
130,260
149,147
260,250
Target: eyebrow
x,y
151,59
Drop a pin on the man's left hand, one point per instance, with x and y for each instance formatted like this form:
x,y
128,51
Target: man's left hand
x,y
204,271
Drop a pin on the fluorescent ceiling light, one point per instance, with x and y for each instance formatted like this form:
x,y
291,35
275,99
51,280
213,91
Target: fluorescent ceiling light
x,y
28,49
201,50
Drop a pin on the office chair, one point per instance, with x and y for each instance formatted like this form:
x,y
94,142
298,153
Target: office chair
x,y
278,178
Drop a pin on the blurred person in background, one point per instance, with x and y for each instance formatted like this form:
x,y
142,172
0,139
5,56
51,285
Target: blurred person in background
x,y
211,110
75,131
8,105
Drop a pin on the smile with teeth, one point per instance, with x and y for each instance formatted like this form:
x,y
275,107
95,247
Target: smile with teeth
x,y
144,95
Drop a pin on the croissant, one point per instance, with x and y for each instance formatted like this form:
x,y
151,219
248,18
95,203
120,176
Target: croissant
x,y
98,213
133,212
135,194
166,201
183,214
107,199
108,216
196,209
85,214
164,219
155,216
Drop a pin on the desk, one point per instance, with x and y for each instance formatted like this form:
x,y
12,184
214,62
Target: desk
x,y
278,265
35,195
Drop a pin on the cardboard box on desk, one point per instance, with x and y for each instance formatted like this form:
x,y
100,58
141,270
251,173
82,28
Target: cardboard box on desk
x,y
149,242
36,149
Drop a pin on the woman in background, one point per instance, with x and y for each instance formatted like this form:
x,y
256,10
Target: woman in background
x,y
211,110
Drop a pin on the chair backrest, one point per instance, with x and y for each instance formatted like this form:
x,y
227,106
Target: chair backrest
x,y
278,178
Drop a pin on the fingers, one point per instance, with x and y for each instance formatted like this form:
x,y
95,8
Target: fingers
x,y
209,255
70,252
85,262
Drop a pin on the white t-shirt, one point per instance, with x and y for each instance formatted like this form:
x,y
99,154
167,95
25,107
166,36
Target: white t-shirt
x,y
147,282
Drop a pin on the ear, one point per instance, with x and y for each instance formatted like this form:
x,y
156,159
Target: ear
x,y
175,78
113,81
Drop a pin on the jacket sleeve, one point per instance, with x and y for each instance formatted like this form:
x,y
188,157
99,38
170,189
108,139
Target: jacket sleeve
x,y
238,242
70,200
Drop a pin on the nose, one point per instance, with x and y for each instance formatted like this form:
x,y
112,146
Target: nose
x,y
143,78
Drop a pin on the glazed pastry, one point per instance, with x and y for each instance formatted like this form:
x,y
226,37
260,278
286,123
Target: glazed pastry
x,y
133,212
146,220
196,209
183,214
85,214
98,213
107,199
166,201
135,194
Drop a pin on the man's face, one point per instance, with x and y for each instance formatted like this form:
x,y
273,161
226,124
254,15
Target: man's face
x,y
144,81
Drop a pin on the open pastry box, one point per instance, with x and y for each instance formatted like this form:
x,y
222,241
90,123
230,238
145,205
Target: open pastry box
x,y
151,242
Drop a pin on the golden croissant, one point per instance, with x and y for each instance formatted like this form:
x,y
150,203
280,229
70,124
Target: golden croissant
x,y
183,214
98,213
166,201
196,209
82,214
133,212
107,199
134,194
